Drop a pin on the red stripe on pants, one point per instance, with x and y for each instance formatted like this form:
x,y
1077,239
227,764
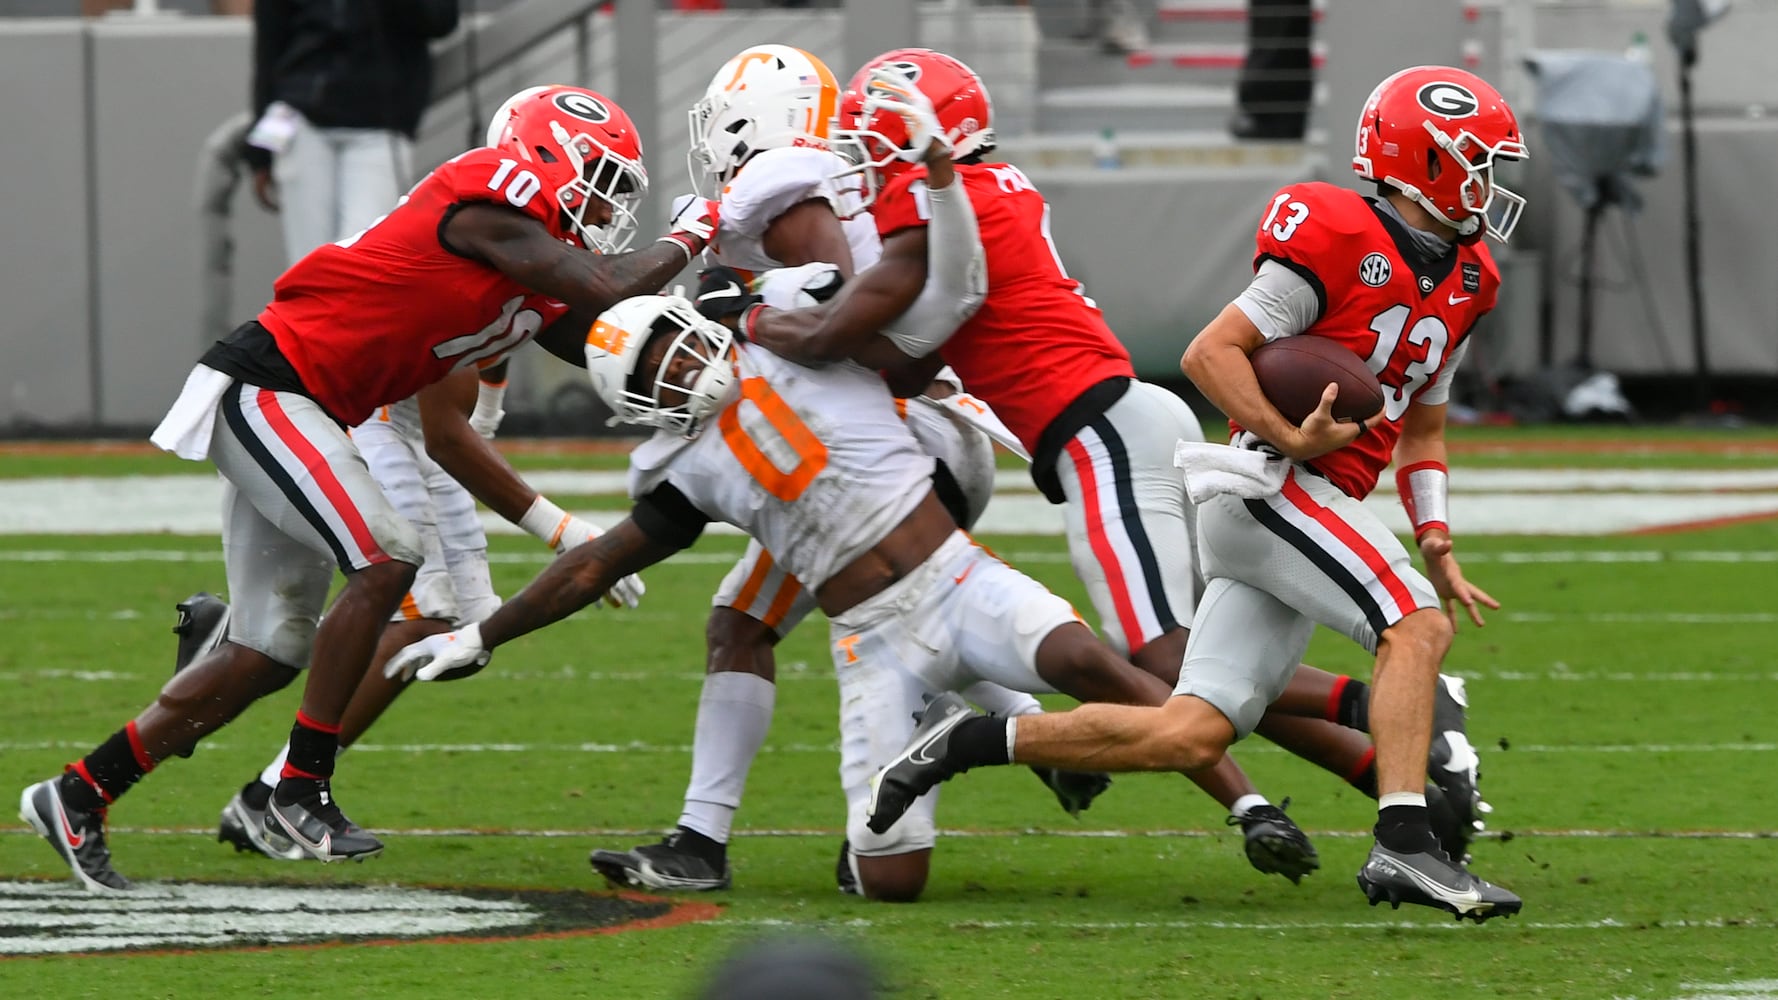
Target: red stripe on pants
x,y
336,494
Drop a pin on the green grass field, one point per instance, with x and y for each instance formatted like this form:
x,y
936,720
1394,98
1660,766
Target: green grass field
x,y
1623,700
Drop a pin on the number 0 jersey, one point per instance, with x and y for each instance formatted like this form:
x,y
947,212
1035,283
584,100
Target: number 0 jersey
x,y
815,464
1407,317
377,317
1037,342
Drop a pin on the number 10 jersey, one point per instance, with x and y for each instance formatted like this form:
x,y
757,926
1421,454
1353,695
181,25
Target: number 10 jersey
x,y
378,316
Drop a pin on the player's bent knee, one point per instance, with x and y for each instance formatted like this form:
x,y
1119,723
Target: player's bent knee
x,y
385,577
738,642
1428,632
1196,734
893,878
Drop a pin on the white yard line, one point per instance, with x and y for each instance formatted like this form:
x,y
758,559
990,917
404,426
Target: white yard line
x,y
1484,501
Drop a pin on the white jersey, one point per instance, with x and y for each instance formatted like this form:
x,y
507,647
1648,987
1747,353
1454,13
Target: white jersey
x,y
814,463
774,182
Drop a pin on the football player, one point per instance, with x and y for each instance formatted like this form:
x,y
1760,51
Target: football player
x,y
759,147
498,246
1102,441
1401,279
818,465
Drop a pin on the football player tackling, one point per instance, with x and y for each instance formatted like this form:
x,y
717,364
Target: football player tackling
x,y
496,247
1400,279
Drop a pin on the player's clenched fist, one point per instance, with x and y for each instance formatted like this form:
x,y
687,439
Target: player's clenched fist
x,y
446,657
890,90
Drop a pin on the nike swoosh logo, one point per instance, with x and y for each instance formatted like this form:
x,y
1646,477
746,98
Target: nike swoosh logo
x,y
1455,300
1472,896
918,754
959,578
731,292
74,839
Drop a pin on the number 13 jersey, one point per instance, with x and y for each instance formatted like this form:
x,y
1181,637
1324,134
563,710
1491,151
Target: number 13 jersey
x,y
815,463
1407,317
376,317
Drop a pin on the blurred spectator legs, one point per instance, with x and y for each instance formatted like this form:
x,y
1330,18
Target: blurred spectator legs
x,y
1277,79
334,182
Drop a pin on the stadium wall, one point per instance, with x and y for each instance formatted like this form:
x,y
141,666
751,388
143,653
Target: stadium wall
x,y
103,257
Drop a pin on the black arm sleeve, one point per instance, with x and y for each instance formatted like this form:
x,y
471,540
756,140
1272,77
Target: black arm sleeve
x,y
666,516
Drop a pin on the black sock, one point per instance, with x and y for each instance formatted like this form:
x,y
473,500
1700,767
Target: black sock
x,y
1405,829
313,746
978,742
1351,704
713,852
1364,777
101,777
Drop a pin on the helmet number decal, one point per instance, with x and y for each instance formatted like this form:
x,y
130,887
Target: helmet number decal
x,y
791,434
1285,228
521,185
1429,331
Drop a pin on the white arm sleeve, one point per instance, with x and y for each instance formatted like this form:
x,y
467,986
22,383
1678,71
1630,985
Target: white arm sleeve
x,y
1439,392
956,274
1279,302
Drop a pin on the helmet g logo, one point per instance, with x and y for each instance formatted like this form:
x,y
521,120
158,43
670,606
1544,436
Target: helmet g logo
x,y
1448,100
583,106
907,69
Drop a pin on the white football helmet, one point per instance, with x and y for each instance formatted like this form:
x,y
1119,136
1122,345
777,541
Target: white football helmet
x,y
618,345
768,97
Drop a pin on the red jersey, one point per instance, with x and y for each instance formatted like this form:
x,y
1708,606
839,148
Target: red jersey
x,y
1037,342
377,317
1405,316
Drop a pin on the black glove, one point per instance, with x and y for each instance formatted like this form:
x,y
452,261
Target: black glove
x,y
723,295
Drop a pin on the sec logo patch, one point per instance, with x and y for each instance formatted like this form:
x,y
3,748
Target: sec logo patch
x,y
1374,270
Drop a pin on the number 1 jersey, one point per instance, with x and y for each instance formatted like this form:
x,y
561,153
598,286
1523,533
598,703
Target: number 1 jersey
x,y
377,317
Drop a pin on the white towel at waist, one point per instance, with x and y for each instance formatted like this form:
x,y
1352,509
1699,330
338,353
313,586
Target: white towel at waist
x,y
1211,469
185,430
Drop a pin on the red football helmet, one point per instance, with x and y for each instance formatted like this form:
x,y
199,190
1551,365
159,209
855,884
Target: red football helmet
x,y
582,146
959,98
1421,125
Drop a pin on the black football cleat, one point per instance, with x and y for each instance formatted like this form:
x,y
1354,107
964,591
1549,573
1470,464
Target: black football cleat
x,y
243,825
314,823
1453,766
667,866
843,874
1428,878
920,765
202,625
1276,845
78,836
1074,790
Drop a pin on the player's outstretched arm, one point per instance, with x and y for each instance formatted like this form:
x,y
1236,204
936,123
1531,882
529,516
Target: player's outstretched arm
x,y
521,248
470,458
1217,363
581,576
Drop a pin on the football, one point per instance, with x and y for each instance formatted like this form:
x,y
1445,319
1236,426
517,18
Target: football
x,y
1292,371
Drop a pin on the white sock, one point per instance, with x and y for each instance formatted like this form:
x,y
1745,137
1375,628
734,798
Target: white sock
x,y
1247,803
274,772
1401,799
734,713
996,700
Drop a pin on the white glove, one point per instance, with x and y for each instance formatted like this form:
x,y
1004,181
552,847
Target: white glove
x,y
625,593
888,90
695,217
446,657
800,286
